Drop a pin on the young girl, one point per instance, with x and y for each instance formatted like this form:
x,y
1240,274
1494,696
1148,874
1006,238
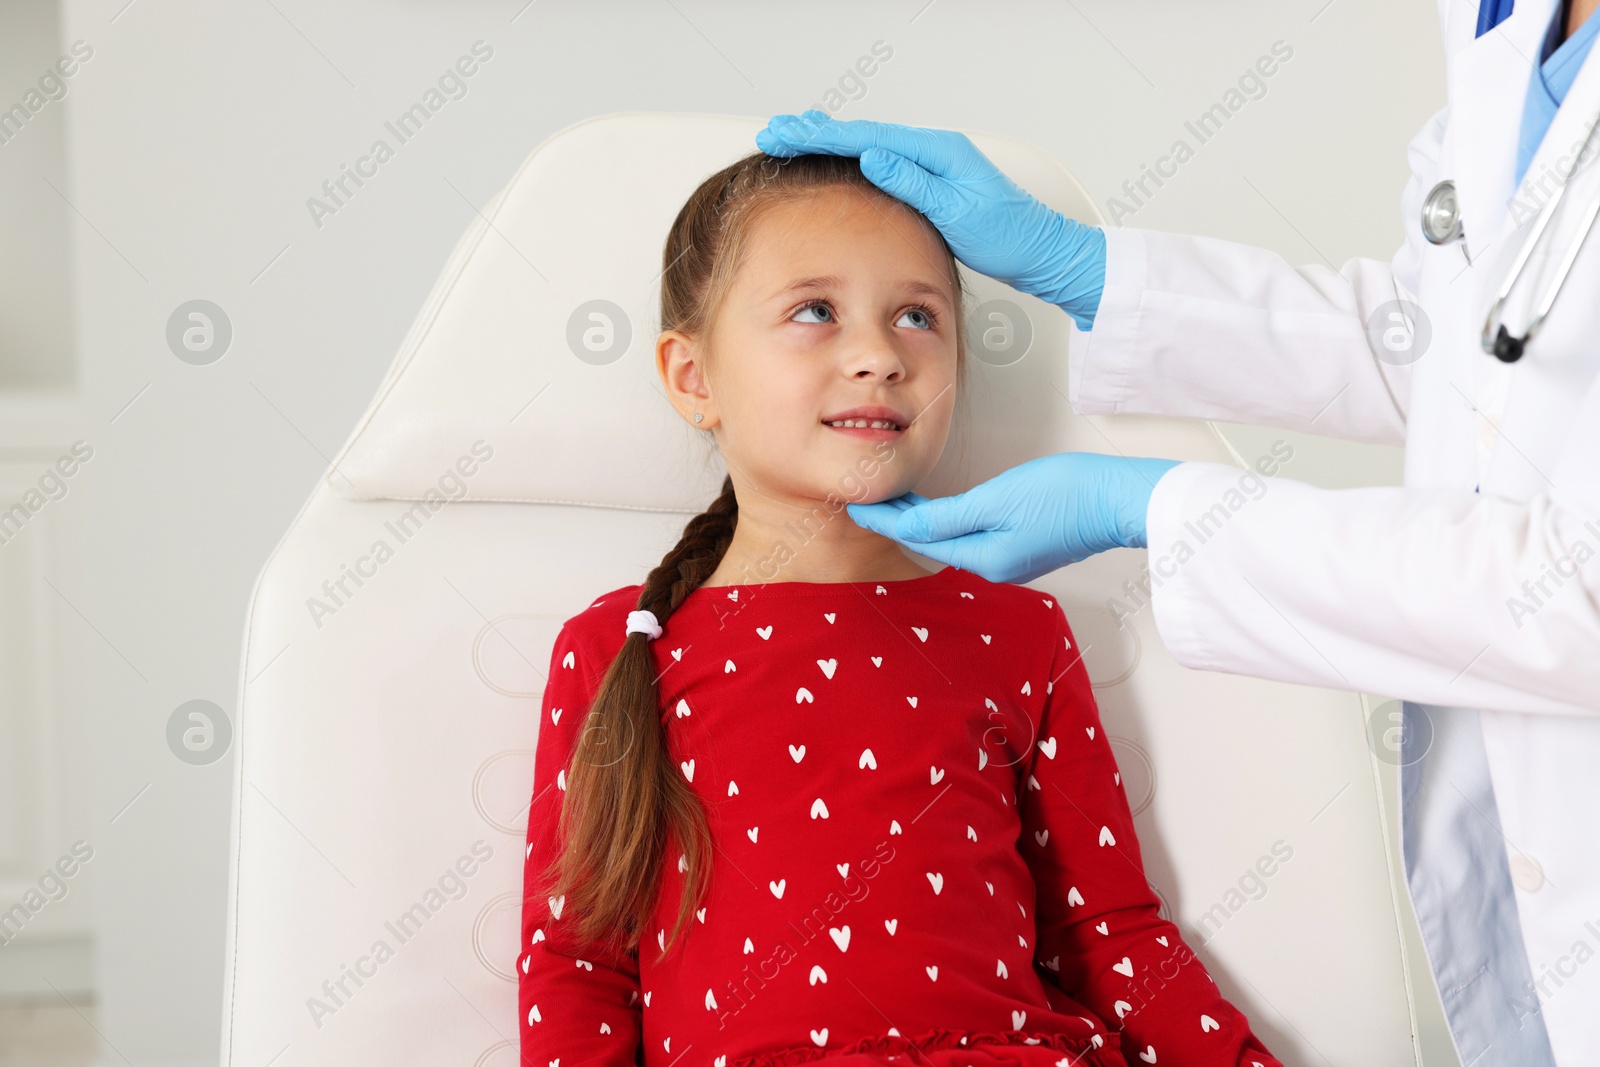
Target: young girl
x,y
796,797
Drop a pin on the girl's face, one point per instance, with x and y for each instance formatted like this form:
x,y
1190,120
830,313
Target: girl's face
x,y
843,309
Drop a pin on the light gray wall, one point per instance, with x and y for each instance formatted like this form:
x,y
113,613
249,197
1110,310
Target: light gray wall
x,y
36,323
198,131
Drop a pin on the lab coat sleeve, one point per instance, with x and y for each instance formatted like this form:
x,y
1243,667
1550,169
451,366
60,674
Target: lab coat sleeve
x,y
1101,937
577,1003
1439,596
1205,328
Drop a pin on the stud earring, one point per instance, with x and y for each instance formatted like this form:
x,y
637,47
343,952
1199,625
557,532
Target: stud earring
x,y
698,416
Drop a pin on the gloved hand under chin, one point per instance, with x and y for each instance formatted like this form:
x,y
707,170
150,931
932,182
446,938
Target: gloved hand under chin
x,y
992,225
1029,520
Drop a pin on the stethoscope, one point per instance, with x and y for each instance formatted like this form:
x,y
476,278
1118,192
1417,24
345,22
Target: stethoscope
x,y
1441,224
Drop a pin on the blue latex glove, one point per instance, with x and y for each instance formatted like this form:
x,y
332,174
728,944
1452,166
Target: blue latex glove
x,y
1028,521
992,224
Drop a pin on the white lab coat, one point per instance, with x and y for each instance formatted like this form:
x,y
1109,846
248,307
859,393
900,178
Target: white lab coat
x,y
1417,592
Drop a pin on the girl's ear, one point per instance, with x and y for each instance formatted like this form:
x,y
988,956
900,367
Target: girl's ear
x,y
679,361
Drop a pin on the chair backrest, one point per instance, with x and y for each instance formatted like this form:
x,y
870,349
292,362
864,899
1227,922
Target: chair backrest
x,y
519,460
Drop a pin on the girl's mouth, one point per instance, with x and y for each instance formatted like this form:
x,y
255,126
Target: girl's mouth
x,y
870,429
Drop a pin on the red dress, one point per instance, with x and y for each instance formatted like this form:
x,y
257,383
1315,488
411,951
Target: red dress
x,y
922,843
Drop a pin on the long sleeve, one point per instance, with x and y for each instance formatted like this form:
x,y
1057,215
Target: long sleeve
x,y
1200,327
1099,932
1441,596
576,1003
1433,593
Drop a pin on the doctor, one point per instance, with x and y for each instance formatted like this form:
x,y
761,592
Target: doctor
x,y
1473,592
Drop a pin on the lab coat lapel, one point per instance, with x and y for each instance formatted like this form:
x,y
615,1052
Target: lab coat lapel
x,y
1559,150
1488,87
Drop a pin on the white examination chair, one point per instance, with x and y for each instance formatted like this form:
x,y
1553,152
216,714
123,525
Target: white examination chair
x,y
389,696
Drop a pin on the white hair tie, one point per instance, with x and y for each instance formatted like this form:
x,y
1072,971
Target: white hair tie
x,y
643,622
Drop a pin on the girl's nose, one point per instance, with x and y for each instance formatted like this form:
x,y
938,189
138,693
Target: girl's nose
x,y
874,354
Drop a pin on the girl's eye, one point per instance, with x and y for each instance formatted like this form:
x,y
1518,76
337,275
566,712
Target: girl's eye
x,y
819,308
917,318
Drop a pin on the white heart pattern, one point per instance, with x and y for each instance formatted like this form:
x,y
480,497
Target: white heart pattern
x,y
797,754
765,631
778,887
937,881
867,760
1123,966
803,696
1208,1024
921,632
819,810
828,666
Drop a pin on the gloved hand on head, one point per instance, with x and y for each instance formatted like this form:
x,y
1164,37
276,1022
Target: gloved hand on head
x,y
993,225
